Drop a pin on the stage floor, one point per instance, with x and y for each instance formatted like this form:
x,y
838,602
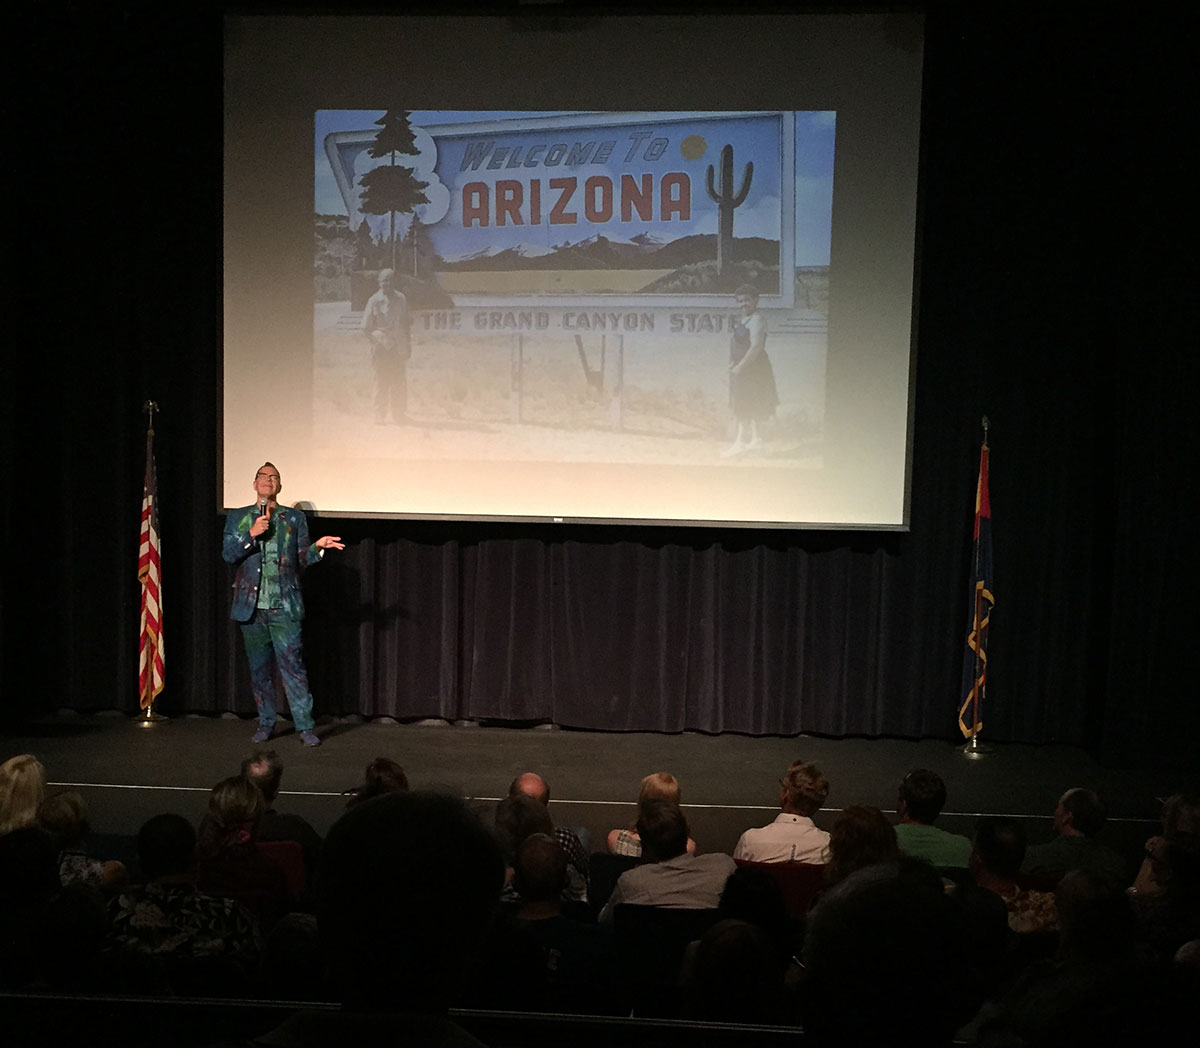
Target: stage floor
x,y
129,772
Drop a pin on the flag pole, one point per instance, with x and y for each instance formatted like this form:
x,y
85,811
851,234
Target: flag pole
x,y
974,749
150,641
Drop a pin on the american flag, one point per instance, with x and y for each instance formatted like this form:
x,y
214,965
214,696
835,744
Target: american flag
x,y
150,637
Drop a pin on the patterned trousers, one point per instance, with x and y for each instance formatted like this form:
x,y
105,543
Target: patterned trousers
x,y
272,639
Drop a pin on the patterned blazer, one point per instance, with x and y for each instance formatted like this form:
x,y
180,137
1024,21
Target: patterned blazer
x,y
295,554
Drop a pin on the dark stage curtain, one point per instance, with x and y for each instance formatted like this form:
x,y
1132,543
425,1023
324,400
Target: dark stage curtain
x,y
591,632
596,633
1050,289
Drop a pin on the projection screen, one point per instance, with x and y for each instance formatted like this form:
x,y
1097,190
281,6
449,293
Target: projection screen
x,y
611,269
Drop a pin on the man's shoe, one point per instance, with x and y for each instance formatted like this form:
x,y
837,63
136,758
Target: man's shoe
x,y
262,735
310,738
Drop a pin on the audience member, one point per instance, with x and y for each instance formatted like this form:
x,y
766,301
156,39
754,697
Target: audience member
x,y
1094,916
400,920
659,785
1189,954
540,872
792,837
995,861
861,836
1180,817
73,944
922,796
22,790
672,877
519,817
265,769
291,969
64,816
1026,931
530,784
383,775
204,944
539,958
579,956
1094,990
751,897
1078,818
885,961
28,883
733,976
1166,894
228,862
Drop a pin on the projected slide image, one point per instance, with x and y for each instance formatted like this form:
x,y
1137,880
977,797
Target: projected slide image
x,y
564,287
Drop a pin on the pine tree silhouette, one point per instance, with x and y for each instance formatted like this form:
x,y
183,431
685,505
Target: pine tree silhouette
x,y
392,189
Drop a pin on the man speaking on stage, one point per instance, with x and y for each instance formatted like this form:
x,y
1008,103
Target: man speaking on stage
x,y
268,544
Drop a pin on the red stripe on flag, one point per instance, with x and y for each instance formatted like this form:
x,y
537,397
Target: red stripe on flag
x,y
983,503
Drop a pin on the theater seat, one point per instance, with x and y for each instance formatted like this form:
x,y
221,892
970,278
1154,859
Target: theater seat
x,y
603,870
799,881
650,944
290,857
1038,882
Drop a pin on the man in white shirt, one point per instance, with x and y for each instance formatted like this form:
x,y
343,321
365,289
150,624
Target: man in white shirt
x,y
792,837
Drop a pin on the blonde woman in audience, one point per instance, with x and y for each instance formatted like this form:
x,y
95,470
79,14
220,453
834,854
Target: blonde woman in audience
x,y
659,786
22,790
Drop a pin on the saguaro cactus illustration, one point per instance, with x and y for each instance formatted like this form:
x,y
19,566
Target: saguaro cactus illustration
x,y
727,200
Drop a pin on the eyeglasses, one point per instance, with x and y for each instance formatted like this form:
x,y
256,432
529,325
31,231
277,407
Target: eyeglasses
x,y
269,476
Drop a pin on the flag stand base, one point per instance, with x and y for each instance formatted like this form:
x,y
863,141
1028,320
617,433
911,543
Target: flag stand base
x,y
149,718
975,750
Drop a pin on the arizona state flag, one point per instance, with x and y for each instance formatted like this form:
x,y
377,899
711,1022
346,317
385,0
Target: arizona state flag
x,y
975,660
